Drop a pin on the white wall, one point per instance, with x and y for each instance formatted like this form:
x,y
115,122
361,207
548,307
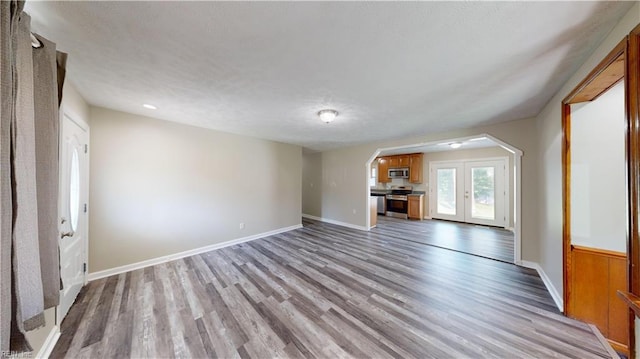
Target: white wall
x,y
72,102
311,170
598,192
549,171
158,188
345,185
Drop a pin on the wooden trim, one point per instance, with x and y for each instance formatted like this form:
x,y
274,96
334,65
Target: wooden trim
x,y
632,301
599,251
632,91
633,157
618,347
566,204
620,49
629,49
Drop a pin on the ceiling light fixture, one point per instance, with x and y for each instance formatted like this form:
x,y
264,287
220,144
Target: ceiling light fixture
x,y
455,145
150,107
327,115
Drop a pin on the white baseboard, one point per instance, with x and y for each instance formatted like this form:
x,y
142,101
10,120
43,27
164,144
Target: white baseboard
x,y
171,257
49,343
427,217
557,298
332,221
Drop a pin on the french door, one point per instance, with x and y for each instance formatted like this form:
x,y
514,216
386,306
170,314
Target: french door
x,y
469,191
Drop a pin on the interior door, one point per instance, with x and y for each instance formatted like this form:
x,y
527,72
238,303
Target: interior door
x,y
485,192
469,191
74,181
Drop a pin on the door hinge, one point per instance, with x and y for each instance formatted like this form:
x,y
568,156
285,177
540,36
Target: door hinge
x,y
85,208
84,267
86,148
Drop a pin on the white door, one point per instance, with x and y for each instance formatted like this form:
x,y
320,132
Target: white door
x,y
485,192
447,181
74,180
469,191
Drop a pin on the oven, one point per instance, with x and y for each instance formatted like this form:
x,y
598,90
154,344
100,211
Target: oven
x,y
397,202
397,206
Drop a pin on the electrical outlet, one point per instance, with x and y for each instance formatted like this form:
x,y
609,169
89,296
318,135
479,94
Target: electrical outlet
x,y
241,225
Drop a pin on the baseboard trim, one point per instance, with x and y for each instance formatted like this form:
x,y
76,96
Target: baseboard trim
x,y
333,221
49,343
427,217
557,298
154,261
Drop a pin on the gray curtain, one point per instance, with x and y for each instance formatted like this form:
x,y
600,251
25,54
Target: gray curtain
x,y
29,128
8,15
45,77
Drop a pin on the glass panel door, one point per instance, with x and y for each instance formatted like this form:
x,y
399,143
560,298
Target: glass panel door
x,y
448,191
485,192
446,198
469,191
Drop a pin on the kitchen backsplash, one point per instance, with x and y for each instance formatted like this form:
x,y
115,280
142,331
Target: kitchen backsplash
x,y
401,182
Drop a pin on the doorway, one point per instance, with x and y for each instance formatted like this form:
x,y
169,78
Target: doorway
x,y
595,192
73,200
470,191
513,182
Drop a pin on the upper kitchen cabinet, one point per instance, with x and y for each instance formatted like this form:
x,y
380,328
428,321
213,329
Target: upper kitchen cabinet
x,y
383,170
403,161
393,161
415,167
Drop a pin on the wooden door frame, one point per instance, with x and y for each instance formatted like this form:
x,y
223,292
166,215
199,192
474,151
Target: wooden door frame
x,y
632,158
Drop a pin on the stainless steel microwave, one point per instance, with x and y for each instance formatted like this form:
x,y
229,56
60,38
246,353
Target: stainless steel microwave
x,y
398,173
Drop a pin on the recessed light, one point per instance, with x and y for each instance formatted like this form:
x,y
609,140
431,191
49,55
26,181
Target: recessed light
x,y
327,115
150,107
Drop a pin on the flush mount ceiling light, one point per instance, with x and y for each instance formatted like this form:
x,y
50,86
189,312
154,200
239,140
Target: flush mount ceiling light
x,y
150,107
455,145
327,115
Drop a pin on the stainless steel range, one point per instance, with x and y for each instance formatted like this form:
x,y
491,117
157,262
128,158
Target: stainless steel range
x,y
397,201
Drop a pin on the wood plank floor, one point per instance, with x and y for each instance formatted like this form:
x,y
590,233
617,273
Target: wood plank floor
x,y
324,291
484,241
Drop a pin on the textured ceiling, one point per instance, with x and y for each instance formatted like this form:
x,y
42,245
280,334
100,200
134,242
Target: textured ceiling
x,y
467,144
264,69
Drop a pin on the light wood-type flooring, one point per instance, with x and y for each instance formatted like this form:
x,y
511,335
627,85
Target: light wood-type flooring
x,y
484,241
324,291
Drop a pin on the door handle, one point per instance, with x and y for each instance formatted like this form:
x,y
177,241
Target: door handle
x,y
67,234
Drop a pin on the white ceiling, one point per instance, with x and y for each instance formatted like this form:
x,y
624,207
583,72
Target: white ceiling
x,y
466,144
264,69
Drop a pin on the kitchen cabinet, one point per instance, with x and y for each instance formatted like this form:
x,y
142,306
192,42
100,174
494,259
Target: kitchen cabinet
x,y
373,210
415,206
415,167
403,161
412,161
383,170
